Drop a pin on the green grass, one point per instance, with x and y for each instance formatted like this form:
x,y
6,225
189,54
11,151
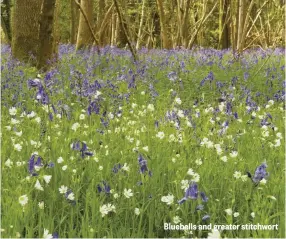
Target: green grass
x,y
125,137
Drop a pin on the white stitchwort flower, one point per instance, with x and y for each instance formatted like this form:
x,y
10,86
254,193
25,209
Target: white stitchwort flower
x,y
199,162
214,234
125,167
8,163
176,219
151,107
137,211
75,126
13,111
18,147
47,235
236,214
60,160
178,101
82,117
64,168
263,181
169,199
47,178
71,196
224,159
237,174
23,200
63,189
106,208
233,154
160,135
127,193
41,205
38,186
228,211
252,214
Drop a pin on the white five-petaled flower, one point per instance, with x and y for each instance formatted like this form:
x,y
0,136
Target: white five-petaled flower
x,y
47,235
125,167
252,214
237,174
63,189
169,199
178,101
236,214
38,186
214,234
233,154
160,135
127,193
75,126
41,205
60,160
71,196
137,211
47,178
106,208
13,111
8,163
228,211
224,159
151,107
18,147
176,219
23,200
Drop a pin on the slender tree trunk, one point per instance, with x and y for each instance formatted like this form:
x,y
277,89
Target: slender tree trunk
x,y
84,36
5,19
141,25
46,38
224,33
185,25
74,22
25,29
241,13
167,44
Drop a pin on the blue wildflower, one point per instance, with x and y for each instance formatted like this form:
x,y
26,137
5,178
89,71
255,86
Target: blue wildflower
x,y
259,174
143,164
206,217
103,187
204,197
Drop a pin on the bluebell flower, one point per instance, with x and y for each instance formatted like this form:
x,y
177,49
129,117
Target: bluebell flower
x,y
32,163
103,187
259,174
206,217
204,197
143,164
82,147
116,168
55,235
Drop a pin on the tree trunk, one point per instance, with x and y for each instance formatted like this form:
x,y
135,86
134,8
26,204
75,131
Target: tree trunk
x,y
74,22
5,19
84,36
141,25
224,33
46,38
25,29
167,44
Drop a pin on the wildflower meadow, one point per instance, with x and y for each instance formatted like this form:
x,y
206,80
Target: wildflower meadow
x,y
181,143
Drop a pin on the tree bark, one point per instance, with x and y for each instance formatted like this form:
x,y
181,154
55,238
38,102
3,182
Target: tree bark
x,y
167,44
46,38
84,36
25,29
5,19
141,25
74,22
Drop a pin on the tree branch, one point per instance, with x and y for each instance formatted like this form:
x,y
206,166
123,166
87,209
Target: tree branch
x,y
133,51
89,26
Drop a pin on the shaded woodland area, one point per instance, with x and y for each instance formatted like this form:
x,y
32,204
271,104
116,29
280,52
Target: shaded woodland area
x,y
36,27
